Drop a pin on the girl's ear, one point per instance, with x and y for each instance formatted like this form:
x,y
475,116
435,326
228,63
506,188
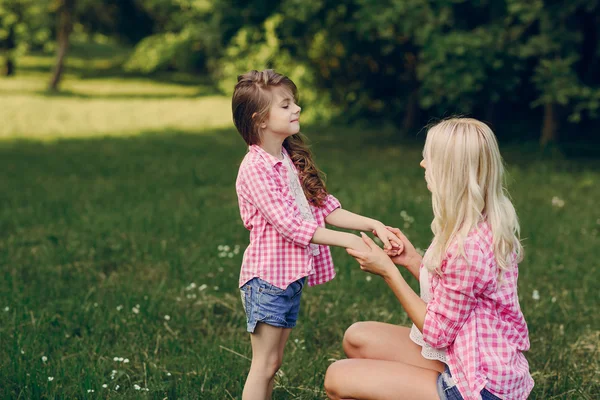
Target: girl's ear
x,y
262,125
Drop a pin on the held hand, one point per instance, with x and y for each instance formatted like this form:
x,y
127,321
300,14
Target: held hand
x,y
392,245
374,260
409,256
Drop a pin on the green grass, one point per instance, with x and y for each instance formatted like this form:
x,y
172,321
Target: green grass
x,y
93,228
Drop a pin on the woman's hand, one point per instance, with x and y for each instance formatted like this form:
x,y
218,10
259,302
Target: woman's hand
x,y
392,244
374,259
409,258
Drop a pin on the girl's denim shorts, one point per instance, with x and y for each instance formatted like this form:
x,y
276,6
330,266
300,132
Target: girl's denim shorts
x,y
447,389
264,302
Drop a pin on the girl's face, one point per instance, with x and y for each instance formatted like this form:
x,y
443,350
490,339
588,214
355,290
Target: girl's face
x,y
284,115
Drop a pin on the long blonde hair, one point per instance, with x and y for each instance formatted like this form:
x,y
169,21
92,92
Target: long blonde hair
x,y
465,173
251,102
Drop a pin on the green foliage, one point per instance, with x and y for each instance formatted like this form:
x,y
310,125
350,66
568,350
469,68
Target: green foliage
x,y
256,48
29,24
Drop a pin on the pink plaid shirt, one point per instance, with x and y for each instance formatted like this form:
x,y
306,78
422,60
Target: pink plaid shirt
x,y
479,321
279,250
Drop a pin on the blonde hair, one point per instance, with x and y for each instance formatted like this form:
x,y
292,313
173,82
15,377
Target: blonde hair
x,y
465,173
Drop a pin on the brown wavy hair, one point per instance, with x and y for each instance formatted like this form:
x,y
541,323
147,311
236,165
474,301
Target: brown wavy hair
x,y
251,102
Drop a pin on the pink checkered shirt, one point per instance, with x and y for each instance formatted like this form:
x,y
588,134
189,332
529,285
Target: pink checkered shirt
x,y
279,250
479,321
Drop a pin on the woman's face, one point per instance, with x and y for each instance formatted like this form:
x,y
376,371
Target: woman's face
x,y
424,166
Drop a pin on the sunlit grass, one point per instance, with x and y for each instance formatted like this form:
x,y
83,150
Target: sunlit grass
x,y
111,248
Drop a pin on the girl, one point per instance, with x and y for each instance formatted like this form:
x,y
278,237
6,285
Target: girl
x,y
469,334
285,205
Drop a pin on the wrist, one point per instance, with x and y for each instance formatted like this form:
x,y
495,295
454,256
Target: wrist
x,y
392,274
374,225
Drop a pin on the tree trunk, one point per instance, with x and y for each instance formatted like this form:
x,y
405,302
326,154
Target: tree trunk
x,y
64,29
550,127
412,107
11,44
9,66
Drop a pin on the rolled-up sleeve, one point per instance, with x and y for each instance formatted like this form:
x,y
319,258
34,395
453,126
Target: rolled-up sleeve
x,y
331,204
262,191
454,297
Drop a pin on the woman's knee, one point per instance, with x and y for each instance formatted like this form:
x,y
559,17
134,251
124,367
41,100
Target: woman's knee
x,y
333,379
355,339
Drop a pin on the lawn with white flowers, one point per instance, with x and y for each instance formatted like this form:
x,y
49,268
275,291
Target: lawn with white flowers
x,y
120,258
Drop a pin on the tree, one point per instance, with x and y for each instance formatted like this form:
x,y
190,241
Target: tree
x,y
24,24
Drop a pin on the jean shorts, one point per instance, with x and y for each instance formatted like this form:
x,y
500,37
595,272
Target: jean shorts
x,y
264,302
447,389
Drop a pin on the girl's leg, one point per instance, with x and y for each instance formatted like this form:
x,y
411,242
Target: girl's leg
x,y
380,380
381,341
284,337
266,360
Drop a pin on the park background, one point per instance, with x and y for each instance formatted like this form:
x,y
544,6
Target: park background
x,y
120,237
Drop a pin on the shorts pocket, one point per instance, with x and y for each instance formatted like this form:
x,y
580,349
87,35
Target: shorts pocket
x,y
266,287
245,294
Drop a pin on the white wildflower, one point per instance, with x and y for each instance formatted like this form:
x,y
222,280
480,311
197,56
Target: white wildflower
x,y
50,378
119,307
90,391
135,310
558,202
117,387
7,308
202,287
216,288
535,295
126,360
167,317
220,247
230,255
105,386
368,278
553,299
44,358
136,387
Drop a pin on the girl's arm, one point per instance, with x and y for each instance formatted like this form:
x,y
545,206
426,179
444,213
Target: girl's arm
x,y
349,220
330,237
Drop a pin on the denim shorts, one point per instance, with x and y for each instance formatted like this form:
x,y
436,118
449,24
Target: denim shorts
x,y
264,302
447,389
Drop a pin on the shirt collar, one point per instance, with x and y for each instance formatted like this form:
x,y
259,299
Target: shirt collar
x,y
273,161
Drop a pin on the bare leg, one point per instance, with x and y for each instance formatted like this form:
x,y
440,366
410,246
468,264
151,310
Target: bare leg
x,y
381,341
362,379
284,337
266,360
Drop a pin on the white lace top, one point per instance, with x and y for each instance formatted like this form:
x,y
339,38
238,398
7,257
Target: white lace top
x,y
416,336
300,197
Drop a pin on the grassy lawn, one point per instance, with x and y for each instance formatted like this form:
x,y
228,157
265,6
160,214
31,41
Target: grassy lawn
x,y
114,211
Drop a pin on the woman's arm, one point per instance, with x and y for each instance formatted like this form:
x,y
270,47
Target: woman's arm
x,y
409,258
375,261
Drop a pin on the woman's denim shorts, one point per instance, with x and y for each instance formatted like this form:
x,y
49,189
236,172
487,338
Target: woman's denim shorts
x,y
264,302
447,389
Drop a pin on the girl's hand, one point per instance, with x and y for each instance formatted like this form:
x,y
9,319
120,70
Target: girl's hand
x,y
374,260
409,258
392,245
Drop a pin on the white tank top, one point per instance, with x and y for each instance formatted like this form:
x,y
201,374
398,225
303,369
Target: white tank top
x,y
300,197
